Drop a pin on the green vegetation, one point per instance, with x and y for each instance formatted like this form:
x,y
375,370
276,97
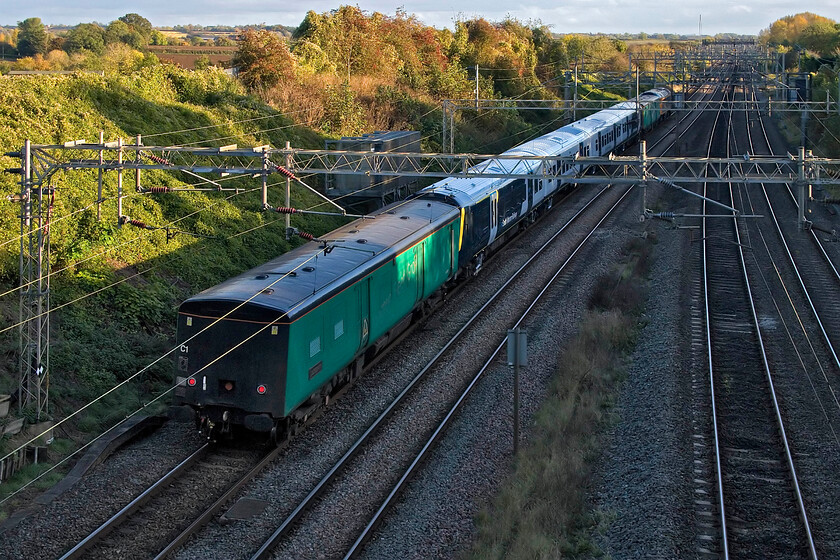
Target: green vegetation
x,y
107,337
812,46
540,511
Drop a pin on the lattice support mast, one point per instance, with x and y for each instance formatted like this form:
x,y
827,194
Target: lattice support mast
x,y
34,365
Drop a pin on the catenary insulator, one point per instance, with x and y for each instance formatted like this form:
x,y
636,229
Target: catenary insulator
x,y
160,160
283,171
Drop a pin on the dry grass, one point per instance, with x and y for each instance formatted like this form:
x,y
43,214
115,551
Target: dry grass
x,y
307,98
540,513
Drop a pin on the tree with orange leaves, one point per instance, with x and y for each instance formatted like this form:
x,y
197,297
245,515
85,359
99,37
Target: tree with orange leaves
x,y
263,59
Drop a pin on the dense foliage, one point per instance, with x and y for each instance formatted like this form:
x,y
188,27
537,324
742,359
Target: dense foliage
x,y
263,59
804,31
32,37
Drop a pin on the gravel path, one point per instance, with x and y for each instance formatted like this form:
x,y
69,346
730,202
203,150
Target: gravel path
x,y
642,480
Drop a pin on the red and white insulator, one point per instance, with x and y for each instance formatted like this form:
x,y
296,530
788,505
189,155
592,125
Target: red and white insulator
x,y
160,160
285,172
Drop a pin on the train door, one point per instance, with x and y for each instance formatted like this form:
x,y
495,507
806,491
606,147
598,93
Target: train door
x,y
530,192
494,215
454,245
420,267
364,311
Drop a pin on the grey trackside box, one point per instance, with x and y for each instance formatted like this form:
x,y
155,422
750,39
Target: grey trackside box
x,y
387,188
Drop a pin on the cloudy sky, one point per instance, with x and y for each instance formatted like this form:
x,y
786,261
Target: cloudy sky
x,y
585,16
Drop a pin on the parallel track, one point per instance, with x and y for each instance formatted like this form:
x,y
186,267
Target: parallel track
x,y
761,510
209,474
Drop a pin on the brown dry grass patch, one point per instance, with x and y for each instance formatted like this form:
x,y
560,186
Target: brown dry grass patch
x,y
540,511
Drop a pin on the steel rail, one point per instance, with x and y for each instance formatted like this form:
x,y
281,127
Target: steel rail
x,y
127,511
285,526
779,420
208,514
718,469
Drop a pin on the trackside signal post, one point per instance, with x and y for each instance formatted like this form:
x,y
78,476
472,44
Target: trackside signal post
x,y
517,347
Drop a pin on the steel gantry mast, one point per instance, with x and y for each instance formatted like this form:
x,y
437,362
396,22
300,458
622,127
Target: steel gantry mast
x,y
40,162
36,200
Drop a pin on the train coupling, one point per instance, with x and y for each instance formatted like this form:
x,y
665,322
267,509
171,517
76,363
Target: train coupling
x,y
225,430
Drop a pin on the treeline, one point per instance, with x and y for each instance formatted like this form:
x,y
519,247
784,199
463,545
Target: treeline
x,y
348,71
805,31
43,48
351,70
88,46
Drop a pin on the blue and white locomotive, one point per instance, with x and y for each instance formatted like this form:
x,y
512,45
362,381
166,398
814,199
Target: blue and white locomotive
x,y
267,348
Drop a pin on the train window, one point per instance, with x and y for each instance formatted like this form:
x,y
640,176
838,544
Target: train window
x,y
314,346
338,329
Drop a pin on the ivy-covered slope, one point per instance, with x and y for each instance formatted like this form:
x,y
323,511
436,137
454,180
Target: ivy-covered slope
x,y
104,338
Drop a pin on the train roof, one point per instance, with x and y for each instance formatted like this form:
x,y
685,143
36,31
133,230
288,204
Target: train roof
x,y
295,281
561,142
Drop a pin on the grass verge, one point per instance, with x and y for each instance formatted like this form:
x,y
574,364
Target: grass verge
x,y
540,511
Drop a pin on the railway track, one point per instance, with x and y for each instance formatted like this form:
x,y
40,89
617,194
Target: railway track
x,y
161,518
760,506
326,505
797,286
288,530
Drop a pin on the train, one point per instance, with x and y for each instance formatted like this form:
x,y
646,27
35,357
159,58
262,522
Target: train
x,y
268,348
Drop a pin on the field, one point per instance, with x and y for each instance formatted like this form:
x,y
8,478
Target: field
x,y
186,56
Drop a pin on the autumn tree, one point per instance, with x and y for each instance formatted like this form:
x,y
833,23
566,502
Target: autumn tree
x,y
822,37
787,30
32,37
263,59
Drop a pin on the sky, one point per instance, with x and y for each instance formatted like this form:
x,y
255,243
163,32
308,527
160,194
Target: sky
x,y
569,16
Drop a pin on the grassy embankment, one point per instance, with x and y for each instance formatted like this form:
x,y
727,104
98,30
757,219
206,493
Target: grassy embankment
x,y
540,511
107,337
